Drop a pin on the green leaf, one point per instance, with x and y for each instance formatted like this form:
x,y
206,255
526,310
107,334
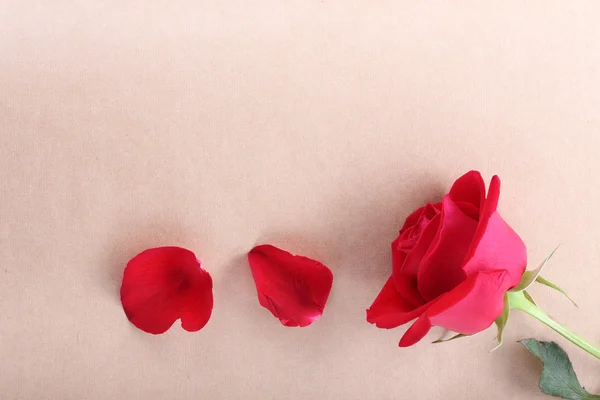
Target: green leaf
x,y
558,377
457,336
530,276
546,282
528,297
501,322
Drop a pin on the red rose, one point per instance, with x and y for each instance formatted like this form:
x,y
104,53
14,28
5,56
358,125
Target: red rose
x,y
452,263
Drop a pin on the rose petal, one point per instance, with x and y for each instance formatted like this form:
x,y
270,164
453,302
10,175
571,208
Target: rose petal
x,y
412,219
294,288
408,289
398,256
496,245
470,307
405,284
469,209
416,331
428,211
164,284
499,248
410,234
441,267
410,265
469,188
489,207
390,310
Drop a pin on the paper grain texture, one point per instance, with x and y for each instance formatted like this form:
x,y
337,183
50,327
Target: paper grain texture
x,y
317,126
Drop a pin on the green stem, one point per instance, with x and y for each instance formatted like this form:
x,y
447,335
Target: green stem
x,y
519,301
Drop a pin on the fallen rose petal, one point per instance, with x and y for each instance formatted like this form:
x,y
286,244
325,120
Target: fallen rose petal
x,y
164,284
294,288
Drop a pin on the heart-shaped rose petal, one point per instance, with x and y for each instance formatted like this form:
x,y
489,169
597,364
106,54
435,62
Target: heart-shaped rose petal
x,y
164,284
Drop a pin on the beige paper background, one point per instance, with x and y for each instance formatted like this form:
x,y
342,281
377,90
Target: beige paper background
x,y
314,125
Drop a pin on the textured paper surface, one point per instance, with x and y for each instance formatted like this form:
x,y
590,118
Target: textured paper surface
x,y
317,126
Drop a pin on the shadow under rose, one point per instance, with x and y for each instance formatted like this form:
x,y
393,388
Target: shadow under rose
x,y
360,228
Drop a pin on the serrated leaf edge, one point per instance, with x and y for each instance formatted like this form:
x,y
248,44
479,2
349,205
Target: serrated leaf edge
x,y
535,350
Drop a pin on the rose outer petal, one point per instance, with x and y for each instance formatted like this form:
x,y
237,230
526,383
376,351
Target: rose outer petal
x,y
469,188
500,247
489,207
469,308
294,288
164,284
390,310
496,245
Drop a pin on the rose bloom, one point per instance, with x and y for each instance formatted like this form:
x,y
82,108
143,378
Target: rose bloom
x,y
453,261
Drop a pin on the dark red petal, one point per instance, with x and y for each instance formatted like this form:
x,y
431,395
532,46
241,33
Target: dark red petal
x,y
405,284
412,219
164,284
411,232
398,255
294,288
408,289
428,211
469,308
496,245
441,267
390,310
469,188
410,266
416,332
469,209
431,210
